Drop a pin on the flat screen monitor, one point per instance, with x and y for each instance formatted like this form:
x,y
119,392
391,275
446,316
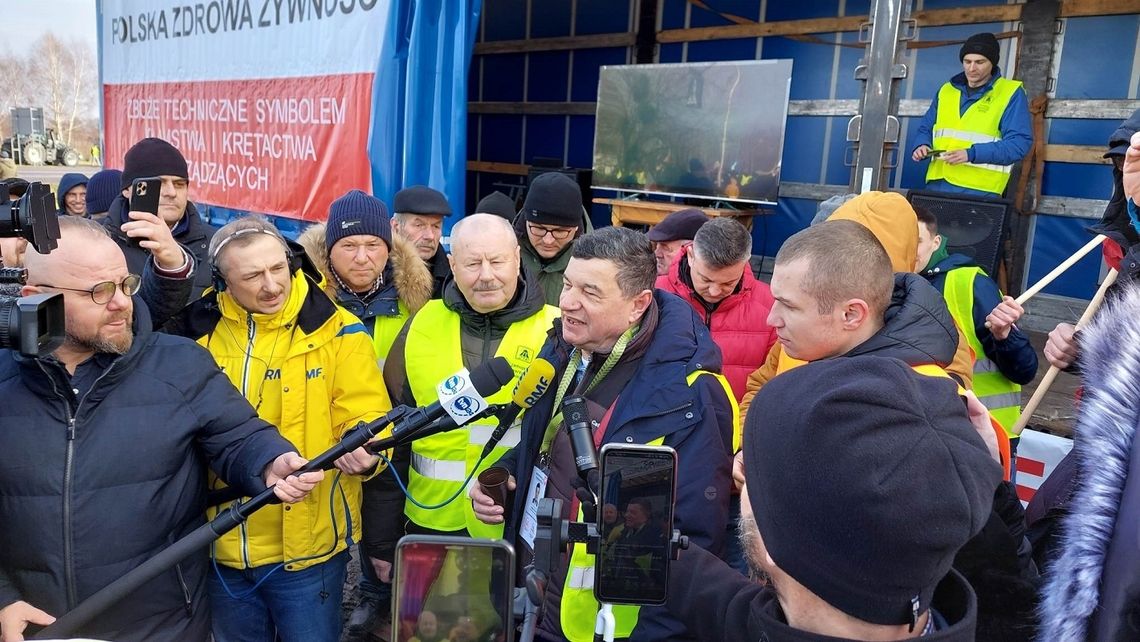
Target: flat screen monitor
x,y
699,130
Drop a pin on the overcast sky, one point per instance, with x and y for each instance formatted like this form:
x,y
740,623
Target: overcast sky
x,y
27,20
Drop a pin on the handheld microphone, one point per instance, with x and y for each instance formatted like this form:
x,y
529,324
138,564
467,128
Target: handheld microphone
x,y
529,388
445,423
576,415
461,397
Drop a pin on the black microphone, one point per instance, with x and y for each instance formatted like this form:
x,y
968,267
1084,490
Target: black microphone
x,y
403,435
462,397
576,416
529,388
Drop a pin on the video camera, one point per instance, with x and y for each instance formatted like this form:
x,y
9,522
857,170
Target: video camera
x,y
34,325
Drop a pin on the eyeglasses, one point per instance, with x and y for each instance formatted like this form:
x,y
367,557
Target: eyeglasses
x,y
558,234
103,292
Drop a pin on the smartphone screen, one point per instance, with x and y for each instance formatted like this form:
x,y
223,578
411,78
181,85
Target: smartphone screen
x,y
144,194
453,588
635,524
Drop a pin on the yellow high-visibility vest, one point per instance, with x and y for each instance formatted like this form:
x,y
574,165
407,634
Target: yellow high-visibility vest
x,y
980,123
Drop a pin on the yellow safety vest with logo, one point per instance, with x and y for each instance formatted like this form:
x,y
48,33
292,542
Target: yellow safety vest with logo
x,y
1000,395
954,130
441,463
578,607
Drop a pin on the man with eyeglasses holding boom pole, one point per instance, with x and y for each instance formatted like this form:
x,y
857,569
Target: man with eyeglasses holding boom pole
x,y
107,442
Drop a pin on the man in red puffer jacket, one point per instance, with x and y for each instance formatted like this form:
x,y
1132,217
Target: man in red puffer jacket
x,y
713,275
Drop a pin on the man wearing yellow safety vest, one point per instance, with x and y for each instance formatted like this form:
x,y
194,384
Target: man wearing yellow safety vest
x,y
379,277
489,308
977,126
648,370
1004,358
306,366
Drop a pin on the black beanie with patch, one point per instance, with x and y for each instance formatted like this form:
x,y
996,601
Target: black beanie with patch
x,y
983,44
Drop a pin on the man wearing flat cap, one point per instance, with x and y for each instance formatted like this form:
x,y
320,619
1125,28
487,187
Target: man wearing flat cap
x,y
673,233
550,220
977,126
419,213
863,552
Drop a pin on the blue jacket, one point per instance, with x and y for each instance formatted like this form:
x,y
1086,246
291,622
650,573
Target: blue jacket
x,y
656,401
1015,126
1015,356
92,487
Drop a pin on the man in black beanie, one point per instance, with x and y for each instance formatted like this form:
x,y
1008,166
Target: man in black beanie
x,y
142,235
550,219
977,126
419,213
866,479
497,203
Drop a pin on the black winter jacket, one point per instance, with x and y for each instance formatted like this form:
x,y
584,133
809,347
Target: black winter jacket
x,y
195,238
92,487
719,604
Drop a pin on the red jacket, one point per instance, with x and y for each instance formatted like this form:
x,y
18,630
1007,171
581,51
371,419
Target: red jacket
x,y
739,324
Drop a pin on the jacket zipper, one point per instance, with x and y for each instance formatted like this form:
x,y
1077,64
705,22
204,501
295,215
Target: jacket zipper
x,y
251,328
486,343
185,589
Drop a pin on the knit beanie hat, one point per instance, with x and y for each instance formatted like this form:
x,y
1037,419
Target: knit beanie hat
x,y
983,44
152,157
357,213
553,199
865,479
497,203
102,188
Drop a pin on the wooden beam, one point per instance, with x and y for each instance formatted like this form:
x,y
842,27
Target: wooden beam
x,y
535,108
1078,8
849,107
926,18
491,167
598,41
1072,207
1096,109
1076,154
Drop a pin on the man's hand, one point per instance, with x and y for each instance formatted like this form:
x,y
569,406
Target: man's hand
x,y
1002,318
1132,170
738,471
980,417
485,508
16,617
920,152
383,570
289,488
155,236
357,462
956,157
1062,348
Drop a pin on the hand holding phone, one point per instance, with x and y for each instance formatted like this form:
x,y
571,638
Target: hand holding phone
x,y
148,228
145,194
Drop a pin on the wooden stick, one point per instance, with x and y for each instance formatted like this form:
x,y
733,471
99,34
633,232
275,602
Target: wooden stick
x,y
1051,376
1058,271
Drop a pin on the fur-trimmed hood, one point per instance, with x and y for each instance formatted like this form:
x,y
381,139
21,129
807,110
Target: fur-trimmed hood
x,y
1093,584
409,273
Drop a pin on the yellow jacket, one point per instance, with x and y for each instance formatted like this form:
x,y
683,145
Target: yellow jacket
x,y
310,370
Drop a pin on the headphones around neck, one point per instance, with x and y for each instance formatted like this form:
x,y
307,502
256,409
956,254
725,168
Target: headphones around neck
x,y
219,281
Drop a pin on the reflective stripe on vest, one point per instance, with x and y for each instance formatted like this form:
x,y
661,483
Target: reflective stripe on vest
x,y
981,123
578,607
1000,395
442,462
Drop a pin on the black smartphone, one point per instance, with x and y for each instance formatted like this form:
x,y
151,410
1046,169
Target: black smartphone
x,y
144,195
453,588
635,524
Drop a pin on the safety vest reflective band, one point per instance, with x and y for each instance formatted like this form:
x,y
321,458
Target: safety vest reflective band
x,y
579,608
981,123
442,462
1000,395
